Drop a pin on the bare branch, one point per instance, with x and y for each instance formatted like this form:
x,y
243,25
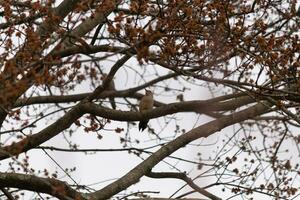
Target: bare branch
x,y
7,194
185,178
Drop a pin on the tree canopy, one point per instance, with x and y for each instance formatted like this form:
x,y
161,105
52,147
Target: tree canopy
x,y
226,69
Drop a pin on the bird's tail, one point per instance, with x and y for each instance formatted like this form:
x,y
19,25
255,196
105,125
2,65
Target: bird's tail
x,y
112,102
143,125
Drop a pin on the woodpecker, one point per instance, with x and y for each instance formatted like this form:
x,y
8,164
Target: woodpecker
x,y
111,87
146,104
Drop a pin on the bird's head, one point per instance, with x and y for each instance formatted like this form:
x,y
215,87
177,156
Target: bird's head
x,y
148,93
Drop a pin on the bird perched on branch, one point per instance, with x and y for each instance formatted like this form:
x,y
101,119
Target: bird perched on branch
x,y
111,87
146,104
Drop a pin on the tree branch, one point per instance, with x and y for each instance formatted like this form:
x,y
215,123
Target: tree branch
x,y
187,106
53,187
185,178
44,29
7,194
77,97
44,135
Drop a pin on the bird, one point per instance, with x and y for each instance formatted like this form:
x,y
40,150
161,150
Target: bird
x,y
146,104
111,87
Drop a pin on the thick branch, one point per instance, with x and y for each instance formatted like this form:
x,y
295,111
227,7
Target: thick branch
x,y
187,106
49,186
